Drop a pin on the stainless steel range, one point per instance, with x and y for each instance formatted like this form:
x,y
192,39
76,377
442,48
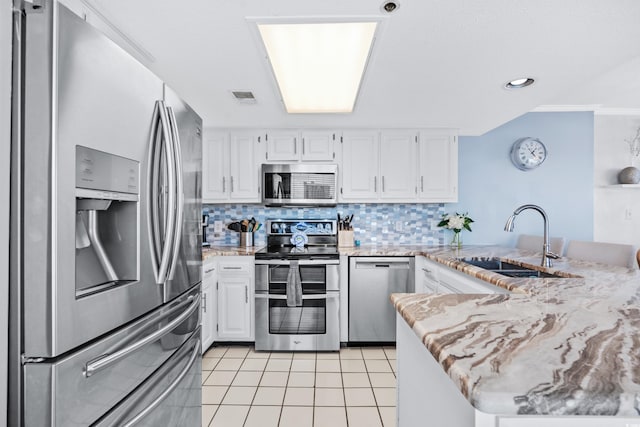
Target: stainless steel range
x,y
310,323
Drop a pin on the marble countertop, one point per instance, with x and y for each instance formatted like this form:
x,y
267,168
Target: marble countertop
x,y
557,346
211,251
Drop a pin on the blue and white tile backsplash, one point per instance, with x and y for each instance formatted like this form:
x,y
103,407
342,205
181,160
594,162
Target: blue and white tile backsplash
x,y
373,223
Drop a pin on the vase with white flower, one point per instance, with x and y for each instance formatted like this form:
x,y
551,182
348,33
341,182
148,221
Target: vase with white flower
x,y
456,222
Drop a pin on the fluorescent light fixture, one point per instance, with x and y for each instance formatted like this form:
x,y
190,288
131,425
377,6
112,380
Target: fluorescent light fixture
x,y
318,66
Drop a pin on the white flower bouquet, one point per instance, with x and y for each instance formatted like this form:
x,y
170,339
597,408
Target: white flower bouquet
x,y
456,222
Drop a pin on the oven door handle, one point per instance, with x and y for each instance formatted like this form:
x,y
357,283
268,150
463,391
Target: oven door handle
x,y
328,295
300,262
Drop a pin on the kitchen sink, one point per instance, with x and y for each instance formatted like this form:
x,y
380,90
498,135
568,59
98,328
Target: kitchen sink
x,y
509,269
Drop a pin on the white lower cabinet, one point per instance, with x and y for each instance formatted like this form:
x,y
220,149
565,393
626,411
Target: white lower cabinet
x,y
435,278
235,298
209,303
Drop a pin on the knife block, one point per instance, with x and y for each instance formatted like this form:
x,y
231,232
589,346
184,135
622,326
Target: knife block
x,y
345,238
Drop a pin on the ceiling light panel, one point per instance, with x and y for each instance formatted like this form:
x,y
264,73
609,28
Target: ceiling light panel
x,y
318,66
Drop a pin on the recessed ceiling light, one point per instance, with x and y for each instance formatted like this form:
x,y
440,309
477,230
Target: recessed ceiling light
x,y
319,66
390,6
519,83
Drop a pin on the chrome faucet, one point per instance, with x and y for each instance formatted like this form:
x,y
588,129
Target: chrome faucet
x,y
547,255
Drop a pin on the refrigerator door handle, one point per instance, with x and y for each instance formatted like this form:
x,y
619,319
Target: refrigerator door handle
x,y
170,388
179,207
108,359
160,249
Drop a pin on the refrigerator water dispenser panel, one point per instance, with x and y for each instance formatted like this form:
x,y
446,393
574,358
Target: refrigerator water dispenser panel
x,y
107,220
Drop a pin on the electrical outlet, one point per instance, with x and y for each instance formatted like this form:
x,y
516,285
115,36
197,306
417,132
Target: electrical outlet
x,y
217,226
628,214
398,226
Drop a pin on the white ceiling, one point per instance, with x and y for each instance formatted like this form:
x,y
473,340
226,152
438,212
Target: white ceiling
x,y
437,63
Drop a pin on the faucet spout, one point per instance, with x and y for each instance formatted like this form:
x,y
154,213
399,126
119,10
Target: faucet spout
x,y
547,255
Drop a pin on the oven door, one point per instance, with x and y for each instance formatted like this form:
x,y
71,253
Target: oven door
x,y
313,326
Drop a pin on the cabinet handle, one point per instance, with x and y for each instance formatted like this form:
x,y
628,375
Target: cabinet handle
x,y
246,294
209,270
426,270
204,302
231,268
224,185
231,179
383,183
295,145
303,146
375,184
422,183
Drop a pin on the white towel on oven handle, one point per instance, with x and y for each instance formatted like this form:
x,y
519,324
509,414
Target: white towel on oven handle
x,y
294,286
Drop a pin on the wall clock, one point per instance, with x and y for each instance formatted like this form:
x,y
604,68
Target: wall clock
x,y
528,153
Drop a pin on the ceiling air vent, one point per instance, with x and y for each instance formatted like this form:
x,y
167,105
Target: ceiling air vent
x,y
244,97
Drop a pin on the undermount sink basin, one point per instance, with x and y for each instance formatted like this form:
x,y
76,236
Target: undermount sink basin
x,y
507,268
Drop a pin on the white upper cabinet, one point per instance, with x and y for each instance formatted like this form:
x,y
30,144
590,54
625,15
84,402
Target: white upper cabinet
x,y
359,169
215,167
398,164
244,169
295,146
438,167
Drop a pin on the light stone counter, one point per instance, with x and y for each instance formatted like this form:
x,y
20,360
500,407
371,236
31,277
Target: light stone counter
x,y
228,251
557,346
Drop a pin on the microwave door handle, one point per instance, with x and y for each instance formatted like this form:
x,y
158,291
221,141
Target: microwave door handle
x,y
170,388
179,187
170,212
106,360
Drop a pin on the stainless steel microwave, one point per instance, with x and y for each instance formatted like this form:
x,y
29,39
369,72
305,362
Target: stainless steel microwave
x,y
299,184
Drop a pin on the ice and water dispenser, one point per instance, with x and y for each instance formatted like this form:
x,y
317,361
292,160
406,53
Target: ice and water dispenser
x,y
107,220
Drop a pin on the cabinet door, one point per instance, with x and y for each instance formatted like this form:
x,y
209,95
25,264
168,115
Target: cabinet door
x,y
359,166
438,179
215,167
234,309
398,165
318,146
244,168
282,146
209,304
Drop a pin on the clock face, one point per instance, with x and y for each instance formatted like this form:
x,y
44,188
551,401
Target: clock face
x,y
528,153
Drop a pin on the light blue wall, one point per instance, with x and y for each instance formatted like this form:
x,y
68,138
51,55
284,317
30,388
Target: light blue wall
x,y
490,187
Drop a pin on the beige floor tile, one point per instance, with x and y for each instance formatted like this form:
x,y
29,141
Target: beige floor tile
x,y
220,378
239,396
269,396
253,354
253,365
303,365
329,417
385,396
205,375
213,394
263,416
301,379
329,397
281,355
274,379
304,355
279,365
327,366
230,416
355,379
328,379
209,363
237,352
353,365
299,396
247,378
215,352
382,379
350,353
207,414
359,397
378,365
373,353
390,352
228,365
328,355
363,417
296,416
388,416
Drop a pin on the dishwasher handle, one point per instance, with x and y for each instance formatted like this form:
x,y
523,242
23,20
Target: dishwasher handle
x,y
371,264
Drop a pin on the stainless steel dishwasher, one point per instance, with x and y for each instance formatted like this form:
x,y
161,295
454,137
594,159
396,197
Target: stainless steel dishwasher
x,y
371,281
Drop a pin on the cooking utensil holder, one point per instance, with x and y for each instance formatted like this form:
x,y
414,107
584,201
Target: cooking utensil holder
x,y
246,239
345,238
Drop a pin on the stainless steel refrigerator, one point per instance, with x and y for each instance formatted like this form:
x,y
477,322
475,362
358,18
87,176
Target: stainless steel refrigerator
x,y
105,233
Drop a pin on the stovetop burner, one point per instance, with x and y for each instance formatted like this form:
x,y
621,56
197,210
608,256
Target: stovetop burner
x,y
321,236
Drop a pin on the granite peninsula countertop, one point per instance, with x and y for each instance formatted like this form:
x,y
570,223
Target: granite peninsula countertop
x,y
556,346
